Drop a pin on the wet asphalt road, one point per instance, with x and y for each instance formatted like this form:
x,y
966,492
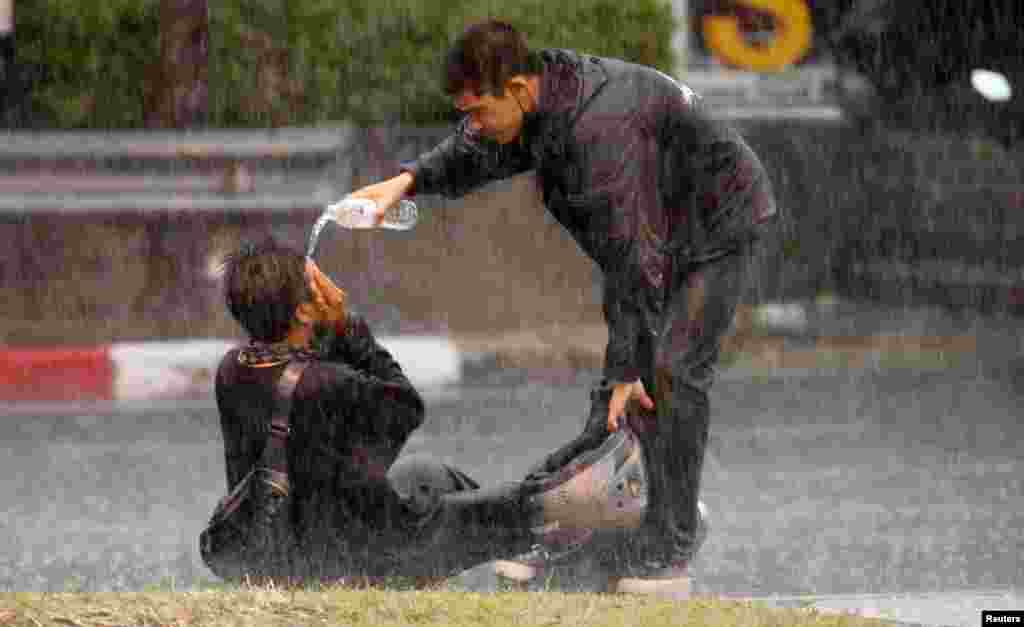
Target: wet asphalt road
x,y
898,481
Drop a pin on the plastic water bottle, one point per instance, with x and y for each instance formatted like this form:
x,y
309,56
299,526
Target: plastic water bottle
x,y
359,213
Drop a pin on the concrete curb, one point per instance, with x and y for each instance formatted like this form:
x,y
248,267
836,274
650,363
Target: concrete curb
x,y
183,371
744,354
954,608
769,340
131,372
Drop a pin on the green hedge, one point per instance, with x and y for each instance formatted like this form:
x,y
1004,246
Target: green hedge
x,y
335,59
93,56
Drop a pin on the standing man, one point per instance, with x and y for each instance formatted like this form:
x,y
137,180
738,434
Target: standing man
x,y
669,203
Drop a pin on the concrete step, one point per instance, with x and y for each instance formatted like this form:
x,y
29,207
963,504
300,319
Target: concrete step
x,y
98,146
953,608
218,170
809,86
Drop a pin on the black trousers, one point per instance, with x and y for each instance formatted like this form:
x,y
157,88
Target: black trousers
x,y
438,522
461,524
678,362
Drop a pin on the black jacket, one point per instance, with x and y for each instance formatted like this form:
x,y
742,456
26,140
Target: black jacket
x,y
636,169
353,410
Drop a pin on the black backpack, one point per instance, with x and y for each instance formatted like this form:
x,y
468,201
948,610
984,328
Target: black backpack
x,y
249,536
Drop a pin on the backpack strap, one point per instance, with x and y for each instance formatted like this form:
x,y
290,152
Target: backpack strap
x,y
275,452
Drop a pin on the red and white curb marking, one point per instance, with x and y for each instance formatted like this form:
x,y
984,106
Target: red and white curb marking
x,y
137,371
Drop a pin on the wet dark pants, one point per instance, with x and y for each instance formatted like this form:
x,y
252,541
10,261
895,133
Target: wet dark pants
x,y
463,525
439,522
678,369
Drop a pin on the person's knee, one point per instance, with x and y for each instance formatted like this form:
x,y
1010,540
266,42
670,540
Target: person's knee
x,y
680,420
692,366
687,382
692,390
422,480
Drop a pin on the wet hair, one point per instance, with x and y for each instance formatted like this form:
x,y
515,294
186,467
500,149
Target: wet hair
x,y
263,285
487,54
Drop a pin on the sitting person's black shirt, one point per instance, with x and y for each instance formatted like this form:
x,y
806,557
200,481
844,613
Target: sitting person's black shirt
x,y
353,410
356,509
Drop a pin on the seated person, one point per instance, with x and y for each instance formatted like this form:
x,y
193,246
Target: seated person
x,y
356,513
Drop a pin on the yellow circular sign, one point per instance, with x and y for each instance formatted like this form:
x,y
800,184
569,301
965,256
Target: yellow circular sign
x,y
792,40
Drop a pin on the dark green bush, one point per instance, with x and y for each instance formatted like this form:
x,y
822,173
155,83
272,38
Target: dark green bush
x,y
395,54
93,57
279,62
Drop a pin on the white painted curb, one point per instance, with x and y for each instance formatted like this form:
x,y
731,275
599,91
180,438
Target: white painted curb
x,y
791,317
430,362
165,370
185,370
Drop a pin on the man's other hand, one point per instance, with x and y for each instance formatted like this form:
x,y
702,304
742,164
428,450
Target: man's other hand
x,y
621,395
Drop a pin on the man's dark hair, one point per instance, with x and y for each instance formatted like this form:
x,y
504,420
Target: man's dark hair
x,y
263,284
487,54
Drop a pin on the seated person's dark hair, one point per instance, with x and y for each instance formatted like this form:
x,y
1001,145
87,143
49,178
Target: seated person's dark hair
x,y
263,284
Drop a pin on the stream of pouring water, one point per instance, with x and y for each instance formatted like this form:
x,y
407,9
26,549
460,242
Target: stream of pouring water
x,y
361,214
314,234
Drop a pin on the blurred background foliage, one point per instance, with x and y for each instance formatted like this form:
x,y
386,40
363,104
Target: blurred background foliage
x,y
89,59
280,63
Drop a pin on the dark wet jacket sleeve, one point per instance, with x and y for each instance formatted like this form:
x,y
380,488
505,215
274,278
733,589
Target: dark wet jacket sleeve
x,y
378,399
463,162
364,409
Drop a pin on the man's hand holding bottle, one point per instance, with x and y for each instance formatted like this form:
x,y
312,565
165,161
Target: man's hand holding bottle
x,y
385,193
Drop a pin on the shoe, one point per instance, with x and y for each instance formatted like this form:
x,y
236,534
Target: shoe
x,y
677,587
672,581
703,528
557,546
